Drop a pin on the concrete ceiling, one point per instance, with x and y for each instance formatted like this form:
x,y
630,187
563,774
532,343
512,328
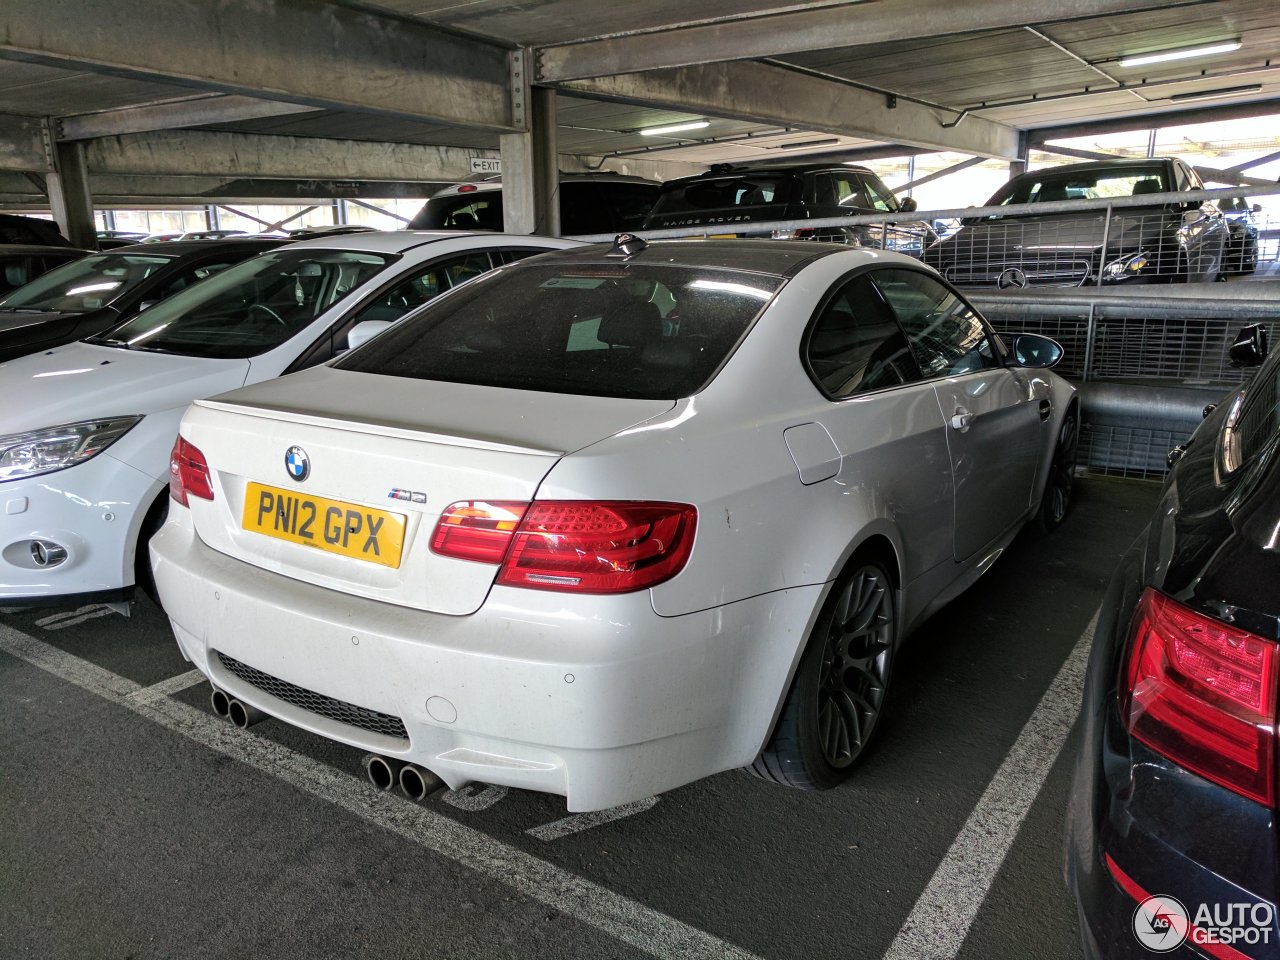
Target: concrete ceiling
x,y
141,82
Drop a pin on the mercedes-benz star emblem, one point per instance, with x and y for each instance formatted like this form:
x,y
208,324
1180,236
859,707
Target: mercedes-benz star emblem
x,y
1010,278
297,463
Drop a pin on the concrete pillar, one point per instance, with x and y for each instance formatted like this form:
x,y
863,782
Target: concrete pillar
x,y
1024,152
530,176
69,196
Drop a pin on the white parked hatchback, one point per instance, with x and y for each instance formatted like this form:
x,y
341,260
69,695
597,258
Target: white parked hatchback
x,y
609,521
86,428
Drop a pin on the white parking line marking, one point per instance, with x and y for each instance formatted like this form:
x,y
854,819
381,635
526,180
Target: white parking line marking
x,y
625,920
167,688
940,919
472,799
70,618
576,823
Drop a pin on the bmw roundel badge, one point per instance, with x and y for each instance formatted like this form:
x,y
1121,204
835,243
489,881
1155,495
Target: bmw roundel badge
x,y
296,462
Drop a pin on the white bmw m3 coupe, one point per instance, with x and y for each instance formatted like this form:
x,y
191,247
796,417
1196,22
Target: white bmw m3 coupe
x,y
608,521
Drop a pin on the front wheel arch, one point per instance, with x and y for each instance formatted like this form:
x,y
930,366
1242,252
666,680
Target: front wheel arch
x,y
152,521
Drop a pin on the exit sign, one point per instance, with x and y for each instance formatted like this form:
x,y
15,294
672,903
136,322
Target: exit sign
x,y
485,165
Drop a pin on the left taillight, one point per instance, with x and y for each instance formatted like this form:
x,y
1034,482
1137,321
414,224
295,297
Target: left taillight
x,y
188,473
1204,694
573,546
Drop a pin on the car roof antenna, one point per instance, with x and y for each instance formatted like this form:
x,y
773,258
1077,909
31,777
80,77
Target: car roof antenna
x,y
626,245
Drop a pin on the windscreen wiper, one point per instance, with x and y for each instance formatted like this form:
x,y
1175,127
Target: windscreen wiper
x,y
108,342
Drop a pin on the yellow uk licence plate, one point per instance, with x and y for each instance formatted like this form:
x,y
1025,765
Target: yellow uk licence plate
x,y
329,525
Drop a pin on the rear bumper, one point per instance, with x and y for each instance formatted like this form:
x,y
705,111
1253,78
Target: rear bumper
x,y
599,699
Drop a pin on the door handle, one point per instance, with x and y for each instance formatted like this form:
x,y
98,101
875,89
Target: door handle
x,y
1046,408
962,420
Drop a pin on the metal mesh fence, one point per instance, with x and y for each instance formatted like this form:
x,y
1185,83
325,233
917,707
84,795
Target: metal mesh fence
x,y
1119,451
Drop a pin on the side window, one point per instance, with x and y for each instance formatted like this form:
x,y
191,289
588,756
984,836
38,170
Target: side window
x,y
585,208
631,203
503,257
849,191
16,272
946,336
856,346
882,197
482,213
820,190
393,303
187,277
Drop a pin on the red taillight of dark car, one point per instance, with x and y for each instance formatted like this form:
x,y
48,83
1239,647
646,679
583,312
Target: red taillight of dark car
x,y
188,473
1203,693
572,546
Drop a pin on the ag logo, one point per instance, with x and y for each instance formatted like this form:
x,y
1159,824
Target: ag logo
x,y
1161,924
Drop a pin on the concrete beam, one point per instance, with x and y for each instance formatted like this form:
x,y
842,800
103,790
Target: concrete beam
x,y
765,93
152,191
174,115
21,144
1158,120
314,52
824,28
198,153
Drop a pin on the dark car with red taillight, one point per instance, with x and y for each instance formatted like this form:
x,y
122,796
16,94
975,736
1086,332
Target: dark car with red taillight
x,y
1173,844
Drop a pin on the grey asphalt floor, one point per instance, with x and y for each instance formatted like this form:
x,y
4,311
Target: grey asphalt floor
x,y
125,837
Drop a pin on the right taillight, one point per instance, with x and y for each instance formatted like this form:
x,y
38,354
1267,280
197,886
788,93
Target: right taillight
x,y
188,473
575,546
1203,693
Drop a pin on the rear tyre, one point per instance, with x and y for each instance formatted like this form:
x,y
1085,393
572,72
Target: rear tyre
x,y
838,693
1057,489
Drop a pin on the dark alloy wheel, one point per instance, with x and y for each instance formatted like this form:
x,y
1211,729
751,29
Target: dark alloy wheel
x,y
838,692
1057,489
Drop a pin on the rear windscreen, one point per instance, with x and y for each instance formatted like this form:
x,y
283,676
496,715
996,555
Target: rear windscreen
x,y
725,193
647,331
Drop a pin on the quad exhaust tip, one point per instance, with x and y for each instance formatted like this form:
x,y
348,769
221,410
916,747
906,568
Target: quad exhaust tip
x,y
419,783
229,708
220,703
383,772
243,715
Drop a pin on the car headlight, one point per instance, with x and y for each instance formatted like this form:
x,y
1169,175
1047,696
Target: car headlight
x,y
1129,266
56,448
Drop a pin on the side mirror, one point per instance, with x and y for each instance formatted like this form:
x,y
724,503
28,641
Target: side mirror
x,y
1033,350
1257,208
908,205
364,331
1250,348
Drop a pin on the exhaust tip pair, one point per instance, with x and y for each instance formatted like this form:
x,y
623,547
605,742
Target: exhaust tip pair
x,y
418,783
229,708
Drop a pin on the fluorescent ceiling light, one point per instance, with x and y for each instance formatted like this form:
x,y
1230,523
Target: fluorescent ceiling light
x,y
1220,92
1184,53
675,128
801,144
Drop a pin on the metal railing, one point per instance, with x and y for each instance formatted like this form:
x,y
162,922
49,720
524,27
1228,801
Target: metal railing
x,y
1118,241
1173,334
1146,361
